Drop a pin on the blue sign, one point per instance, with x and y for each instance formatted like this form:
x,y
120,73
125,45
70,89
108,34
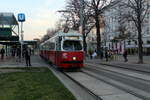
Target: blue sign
x,y
21,17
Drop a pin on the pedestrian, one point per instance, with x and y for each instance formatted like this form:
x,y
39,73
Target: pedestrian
x,y
94,54
27,56
90,53
116,54
125,56
2,52
32,50
106,55
13,52
18,54
109,54
101,56
23,52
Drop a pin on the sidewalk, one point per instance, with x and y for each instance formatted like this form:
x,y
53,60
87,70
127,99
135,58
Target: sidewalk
x,y
119,62
36,61
132,59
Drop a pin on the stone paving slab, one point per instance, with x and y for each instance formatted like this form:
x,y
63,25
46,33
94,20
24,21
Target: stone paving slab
x,y
128,65
104,90
36,61
132,61
119,97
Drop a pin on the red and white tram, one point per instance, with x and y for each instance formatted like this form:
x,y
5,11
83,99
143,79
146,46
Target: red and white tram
x,y
64,50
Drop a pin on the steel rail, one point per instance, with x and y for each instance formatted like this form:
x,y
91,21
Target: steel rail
x,y
115,73
82,86
129,68
119,73
79,84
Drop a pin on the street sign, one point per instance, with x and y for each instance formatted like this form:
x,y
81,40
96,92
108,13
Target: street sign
x,y
21,17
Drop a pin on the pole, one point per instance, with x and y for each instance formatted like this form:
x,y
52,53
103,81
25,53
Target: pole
x,y
21,18
81,15
82,26
21,41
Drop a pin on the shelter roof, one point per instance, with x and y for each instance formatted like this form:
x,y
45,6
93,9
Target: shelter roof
x,y
8,19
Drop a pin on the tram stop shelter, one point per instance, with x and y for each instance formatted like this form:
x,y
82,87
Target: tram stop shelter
x,y
9,30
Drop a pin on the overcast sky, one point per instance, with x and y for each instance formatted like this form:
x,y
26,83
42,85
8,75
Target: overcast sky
x,y
40,14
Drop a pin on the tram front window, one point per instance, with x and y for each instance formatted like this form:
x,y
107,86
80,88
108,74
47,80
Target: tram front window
x,y
69,45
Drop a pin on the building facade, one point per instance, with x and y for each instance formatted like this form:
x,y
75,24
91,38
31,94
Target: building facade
x,y
121,34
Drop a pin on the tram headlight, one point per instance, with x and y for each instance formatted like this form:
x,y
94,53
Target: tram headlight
x,y
74,58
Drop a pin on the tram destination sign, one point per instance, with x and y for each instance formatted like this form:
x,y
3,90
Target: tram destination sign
x,y
72,37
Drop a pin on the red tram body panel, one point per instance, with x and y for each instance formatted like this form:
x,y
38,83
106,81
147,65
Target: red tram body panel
x,y
64,50
69,59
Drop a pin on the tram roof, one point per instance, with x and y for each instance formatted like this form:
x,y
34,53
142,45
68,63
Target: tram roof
x,y
71,33
60,33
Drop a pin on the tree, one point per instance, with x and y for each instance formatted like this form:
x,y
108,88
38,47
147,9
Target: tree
x,y
137,10
72,17
51,32
97,8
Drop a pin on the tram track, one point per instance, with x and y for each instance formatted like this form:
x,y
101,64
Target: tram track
x,y
133,85
94,93
82,86
95,96
140,92
133,68
129,73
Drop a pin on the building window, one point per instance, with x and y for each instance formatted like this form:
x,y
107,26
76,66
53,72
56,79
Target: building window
x,y
148,41
148,30
135,42
129,42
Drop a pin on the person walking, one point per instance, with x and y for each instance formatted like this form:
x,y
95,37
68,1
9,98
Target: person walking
x,y
94,55
27,56
125,56
106,55
90,53
101,56
18,54
2,52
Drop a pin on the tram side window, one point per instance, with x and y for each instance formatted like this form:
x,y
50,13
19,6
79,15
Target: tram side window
x,y
46,46
41,47
51,46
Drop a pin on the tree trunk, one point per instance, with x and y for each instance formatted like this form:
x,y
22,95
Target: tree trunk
x,y
98,35
140,47
84,44
139,22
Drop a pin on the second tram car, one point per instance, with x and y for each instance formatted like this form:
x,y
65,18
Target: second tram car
x,y
64,50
